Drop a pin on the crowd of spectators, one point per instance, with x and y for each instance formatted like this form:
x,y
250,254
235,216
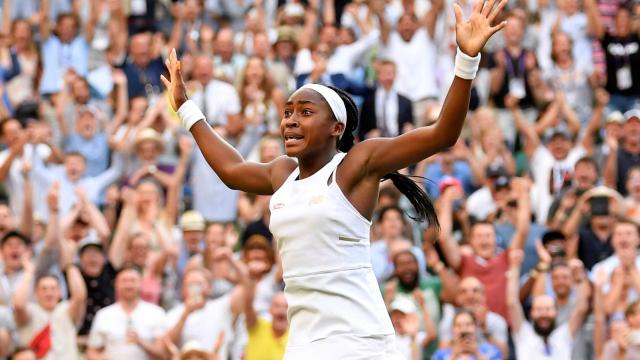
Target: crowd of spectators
x,y
118,241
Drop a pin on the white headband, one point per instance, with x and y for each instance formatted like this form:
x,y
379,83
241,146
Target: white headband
x,y
333,99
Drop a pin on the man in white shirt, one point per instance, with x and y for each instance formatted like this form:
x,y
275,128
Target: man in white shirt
x,y
552,163
218,100
11,162
412,48
205,320
541,338
130,329
49,326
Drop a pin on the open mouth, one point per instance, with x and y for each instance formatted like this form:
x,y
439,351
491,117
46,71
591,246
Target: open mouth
x,y
292,139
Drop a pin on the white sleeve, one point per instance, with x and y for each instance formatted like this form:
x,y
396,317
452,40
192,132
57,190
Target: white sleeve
x,y
304,63
96,335
159,327
233,102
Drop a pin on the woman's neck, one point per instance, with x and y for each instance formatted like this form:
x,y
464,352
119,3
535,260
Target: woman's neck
x,y
309,166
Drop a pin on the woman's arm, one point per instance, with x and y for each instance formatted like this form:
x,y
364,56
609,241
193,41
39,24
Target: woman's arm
x,y
381,156
223,158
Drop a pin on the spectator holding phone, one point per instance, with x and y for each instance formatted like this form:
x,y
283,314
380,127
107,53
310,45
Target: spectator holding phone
x,y
465,344
625,344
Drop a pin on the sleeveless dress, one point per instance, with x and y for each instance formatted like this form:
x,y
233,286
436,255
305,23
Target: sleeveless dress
x,y
336,310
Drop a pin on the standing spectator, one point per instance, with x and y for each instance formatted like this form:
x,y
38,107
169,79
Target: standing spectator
x,y
552,163
482,204
23,87
471,297
267,338
142,70
543,337
67,49
192,225
385,112
622,56
48,326
465,343
411,340
13,247
205,320
623,154
228,62
485,262
219,100
130,328
624,344
416,78
513,70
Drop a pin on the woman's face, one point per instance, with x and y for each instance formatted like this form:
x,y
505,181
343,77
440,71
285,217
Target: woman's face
x,y
148,194
308,126
148,151
562,46
22,35
255,71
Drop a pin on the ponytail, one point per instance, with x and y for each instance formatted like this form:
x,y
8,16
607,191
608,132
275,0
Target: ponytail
x,y
425,210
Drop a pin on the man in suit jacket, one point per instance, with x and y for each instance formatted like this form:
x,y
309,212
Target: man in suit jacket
x,y
385,112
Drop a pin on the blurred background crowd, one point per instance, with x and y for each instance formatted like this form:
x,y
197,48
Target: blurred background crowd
x,y
117,240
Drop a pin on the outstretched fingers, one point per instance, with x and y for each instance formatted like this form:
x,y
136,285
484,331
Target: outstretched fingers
x,y
495,29
495,12
457,10
487,6
477,8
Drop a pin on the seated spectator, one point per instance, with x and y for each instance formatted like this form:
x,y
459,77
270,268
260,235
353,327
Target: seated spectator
x,y
471,297
485,262
385,112
543,336
203,320
49,326
453,163
465,343
130,328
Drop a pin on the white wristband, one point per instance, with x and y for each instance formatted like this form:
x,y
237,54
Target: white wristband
x,y
466,66
189,114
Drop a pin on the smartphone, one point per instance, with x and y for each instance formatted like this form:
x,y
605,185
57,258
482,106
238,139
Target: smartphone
x,y
599,205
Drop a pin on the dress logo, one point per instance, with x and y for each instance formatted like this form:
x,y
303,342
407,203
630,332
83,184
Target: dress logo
x,y
316,199
278,206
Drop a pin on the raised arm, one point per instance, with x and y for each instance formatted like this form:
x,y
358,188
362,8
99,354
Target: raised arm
x,y
45,26
448,244
26,218
513,301
127,217
78,292
532,140
431,17
581,308
595,26
223,158
523,216
23,292
602,99
385,155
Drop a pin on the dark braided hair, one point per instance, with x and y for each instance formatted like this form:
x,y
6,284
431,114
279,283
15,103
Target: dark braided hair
x,y
416,195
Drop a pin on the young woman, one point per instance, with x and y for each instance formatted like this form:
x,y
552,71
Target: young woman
x,y
322,203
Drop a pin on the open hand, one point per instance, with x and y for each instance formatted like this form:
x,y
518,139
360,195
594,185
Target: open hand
x,y
473,34
175,87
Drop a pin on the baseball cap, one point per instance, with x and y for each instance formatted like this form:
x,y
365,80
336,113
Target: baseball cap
x,y
192,220
403,305
89,240
496,171
615,117
552,133
632,114
502,182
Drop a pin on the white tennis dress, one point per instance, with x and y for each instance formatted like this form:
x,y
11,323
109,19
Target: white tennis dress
x,y
336,310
